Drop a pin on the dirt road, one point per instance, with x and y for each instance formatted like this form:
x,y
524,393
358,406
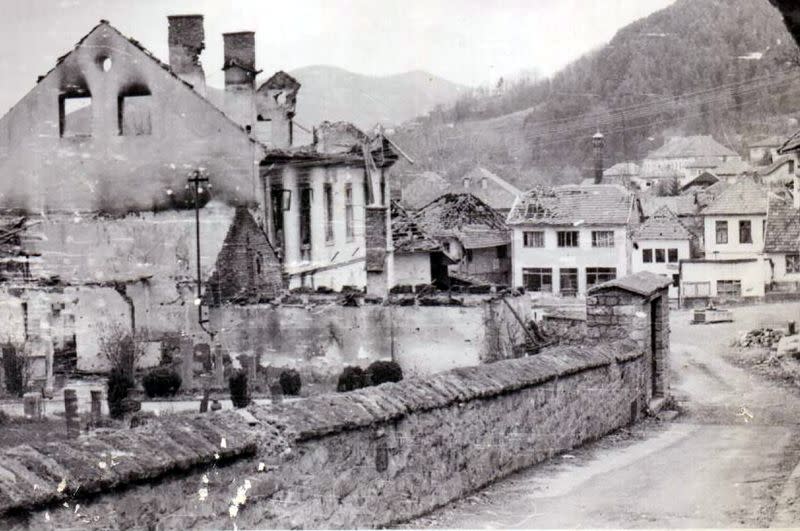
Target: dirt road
x,y
726,462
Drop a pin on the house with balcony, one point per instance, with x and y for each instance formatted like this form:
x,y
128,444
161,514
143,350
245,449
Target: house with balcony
x,y
567,239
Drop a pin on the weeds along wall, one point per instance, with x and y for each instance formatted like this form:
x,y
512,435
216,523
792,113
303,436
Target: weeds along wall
x,y
367,458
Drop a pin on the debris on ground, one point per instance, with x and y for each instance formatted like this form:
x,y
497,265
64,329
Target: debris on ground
x,y
760,337
789,346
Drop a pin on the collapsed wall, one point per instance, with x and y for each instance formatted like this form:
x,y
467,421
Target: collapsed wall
x,y
367,458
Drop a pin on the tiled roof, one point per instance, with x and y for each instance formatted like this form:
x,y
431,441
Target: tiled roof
x,y
705,178
407,236
691,146
622,169
680,205
603,204
783,226
743,197
732,167
662,225
776,164
642,283
465,217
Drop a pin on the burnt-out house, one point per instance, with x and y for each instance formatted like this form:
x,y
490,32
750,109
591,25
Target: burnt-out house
x,y
98,155
419,259
473,235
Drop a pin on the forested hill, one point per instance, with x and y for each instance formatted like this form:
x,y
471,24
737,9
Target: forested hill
x,y
721,67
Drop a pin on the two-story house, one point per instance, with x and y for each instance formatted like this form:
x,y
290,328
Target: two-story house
x,y
734,265
659,244
570,238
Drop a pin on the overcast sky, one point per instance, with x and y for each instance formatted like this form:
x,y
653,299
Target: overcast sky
x,y
467,41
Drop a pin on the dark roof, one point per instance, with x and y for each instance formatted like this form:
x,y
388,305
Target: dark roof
x,y
280,80
662,225
691,146
642,283
742,197
783,226
407,235
602,204
704,178
465,217
680,205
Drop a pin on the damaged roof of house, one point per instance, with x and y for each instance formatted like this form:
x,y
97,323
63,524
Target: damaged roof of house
x,y
602,204
407,235
662,225
783,226
465,217
742,197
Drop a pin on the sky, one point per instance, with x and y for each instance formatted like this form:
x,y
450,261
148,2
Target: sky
x,y
471,42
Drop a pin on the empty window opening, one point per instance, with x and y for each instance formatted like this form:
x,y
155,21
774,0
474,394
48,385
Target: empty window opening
x,y
106,64
660,256
745,232
75,115
672,255
305,223
135,109
328,189
348,211
569,282
647,256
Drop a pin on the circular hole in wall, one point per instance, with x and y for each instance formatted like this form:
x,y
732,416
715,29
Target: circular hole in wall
x,y
105,64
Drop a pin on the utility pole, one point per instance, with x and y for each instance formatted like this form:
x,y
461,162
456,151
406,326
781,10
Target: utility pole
x,y
197,179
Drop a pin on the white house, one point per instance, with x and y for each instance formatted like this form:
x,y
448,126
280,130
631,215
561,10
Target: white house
x,y
763,152
570,238
734,265
658,246
782,240
689,155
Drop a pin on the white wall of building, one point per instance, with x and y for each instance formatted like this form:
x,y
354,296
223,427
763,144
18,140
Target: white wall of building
x,y
581,257
702,278
734,248
411,269
665,268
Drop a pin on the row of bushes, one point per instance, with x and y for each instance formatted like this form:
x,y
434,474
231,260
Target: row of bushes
x,y
378,372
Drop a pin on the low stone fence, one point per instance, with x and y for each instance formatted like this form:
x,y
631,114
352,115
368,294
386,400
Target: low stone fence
x,y
367,458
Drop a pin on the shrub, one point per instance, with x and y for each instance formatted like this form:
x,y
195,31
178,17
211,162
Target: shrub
x,y
122,350
352,378
240,393
118,385
290,382
161,381
384,371
17,368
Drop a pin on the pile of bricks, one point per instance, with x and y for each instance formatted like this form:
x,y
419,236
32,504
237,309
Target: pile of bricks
x,y
760,337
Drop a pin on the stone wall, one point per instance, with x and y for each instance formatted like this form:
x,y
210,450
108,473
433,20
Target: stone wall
x,y
368,458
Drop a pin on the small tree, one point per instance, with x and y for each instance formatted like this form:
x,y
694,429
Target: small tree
x,y
352,378
161,381
290,382
17,368
240,393
384,371
123,352
118,386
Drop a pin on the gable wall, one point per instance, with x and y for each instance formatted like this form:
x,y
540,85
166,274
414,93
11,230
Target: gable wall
x,y
41,170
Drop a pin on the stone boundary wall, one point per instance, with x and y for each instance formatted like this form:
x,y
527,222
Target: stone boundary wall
x,y
367,458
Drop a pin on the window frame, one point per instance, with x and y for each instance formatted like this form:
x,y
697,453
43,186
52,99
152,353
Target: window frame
x,y
327,195
568,272
534,235
721,229
349,209
600,275
729,292
795,257
746,230
660,256
673,256
564,236
603,239
541,273
647,256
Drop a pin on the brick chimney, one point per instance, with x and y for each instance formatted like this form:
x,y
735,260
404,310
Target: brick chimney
x,y
186,41
240,60
598,143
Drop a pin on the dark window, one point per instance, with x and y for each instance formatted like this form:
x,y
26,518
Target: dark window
x,y
745,232
468,254
660,256
259,260
569,282
722,231
672,255
532,238
676,280
348,211
538,279
793,263
602,238
647,256
567,238
305,223
598,275
729,288
75,115
502,252
328,191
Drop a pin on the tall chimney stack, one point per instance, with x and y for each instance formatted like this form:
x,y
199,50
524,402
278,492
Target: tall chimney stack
x,y
240,60
186,41
598,144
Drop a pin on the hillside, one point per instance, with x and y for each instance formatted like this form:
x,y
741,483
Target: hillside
x,y
721,67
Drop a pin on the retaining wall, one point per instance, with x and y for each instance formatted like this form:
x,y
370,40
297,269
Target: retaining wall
x,y
367,458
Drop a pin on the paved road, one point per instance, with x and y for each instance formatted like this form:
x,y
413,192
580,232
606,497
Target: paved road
x,y
726,462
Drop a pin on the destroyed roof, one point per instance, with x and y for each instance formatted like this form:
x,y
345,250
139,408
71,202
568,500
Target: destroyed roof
x,y
498,193
680,205
783,226
600,204
662,225
691,146
622,169
642,283
407,236
379,148
465,217
742,197
281,80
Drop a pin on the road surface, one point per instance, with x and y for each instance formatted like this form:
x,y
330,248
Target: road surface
x,y
728,461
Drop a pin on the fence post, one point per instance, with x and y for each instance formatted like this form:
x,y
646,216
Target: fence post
x,y
97,406
71,413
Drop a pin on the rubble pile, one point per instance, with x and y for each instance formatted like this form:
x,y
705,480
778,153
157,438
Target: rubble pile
x,y
760,337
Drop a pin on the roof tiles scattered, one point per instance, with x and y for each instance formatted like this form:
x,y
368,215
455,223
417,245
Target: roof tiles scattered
x,y
465,217
602,204
407,235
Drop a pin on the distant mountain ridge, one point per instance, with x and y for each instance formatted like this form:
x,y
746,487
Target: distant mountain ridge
x,y
734,57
